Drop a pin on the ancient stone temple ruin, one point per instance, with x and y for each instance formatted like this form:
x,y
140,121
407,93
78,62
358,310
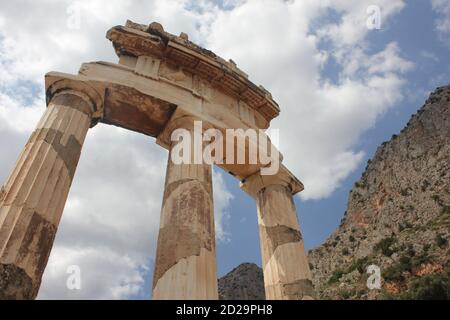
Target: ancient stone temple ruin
x,y
162,82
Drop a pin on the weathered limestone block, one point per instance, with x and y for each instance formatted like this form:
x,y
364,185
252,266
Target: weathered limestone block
x,y
285,263
185,266
33,198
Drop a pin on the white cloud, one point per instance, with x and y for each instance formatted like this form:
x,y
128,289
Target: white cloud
x,y
15,117
357,63
110,223
222,200
104,274
351,29
429,55
442,23
320,121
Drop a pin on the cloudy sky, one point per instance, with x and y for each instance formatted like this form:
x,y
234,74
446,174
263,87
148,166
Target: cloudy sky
x,y
343,88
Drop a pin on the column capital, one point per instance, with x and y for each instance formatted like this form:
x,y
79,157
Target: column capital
x,y
179,120
254,183
57,84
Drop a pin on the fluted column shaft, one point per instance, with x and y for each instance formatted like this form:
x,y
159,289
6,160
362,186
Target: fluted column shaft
x,y
33,198
185,266
285,264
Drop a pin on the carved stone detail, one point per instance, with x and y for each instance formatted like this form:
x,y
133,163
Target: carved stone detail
x,y
147,67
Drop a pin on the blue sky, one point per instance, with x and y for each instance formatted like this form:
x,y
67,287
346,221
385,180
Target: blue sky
x,y
342,90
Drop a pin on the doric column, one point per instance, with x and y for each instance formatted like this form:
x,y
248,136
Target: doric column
x,y
285,263
33,198
185,266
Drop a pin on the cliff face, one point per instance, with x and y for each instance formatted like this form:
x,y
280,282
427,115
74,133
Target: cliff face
x,y
398,217
245,282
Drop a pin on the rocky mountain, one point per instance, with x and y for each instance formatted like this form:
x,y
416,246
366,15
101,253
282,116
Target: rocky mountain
x,y
245,282
398,220
398,217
